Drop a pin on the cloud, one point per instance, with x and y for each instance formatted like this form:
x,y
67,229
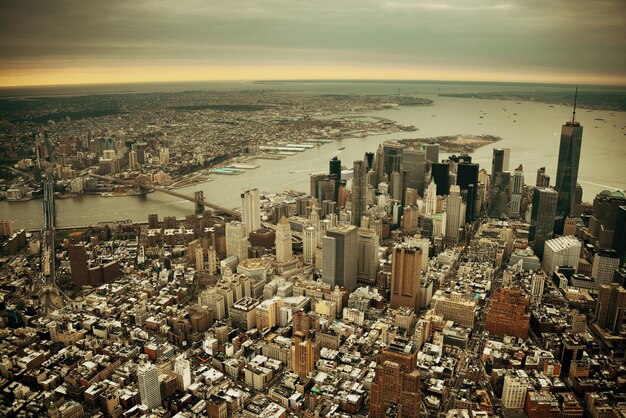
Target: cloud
x,y
505,35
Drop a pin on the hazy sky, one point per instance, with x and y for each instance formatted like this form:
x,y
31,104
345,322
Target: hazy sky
x,y
90,41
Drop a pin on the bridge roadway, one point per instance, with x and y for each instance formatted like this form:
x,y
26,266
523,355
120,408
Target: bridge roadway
x,y
148,185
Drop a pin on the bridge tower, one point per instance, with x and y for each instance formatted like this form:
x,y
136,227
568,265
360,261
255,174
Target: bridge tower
x,y
199,201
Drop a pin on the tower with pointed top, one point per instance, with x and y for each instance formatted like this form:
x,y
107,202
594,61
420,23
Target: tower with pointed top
x,y
430,198
567,170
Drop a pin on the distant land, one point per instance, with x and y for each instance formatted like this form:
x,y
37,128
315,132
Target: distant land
x,y
595,100
462,144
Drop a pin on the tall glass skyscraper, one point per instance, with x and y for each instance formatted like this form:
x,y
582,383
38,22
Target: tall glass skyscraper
x,y
567,171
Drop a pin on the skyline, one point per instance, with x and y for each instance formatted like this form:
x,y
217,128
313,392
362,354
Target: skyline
x,y
151,41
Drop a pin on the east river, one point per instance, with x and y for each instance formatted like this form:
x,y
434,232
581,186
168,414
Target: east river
x,y
531,130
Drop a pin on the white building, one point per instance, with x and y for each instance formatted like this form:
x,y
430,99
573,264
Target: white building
x,y
309,244
182,370
251,210
236,240
562,251
453,214
284,251
536,288
514,392
604,265
149,388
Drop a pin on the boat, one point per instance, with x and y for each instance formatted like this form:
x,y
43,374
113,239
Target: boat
x,y
342,148
106,194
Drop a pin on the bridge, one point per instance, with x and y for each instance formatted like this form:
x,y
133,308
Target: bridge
x,y
197,198
51,296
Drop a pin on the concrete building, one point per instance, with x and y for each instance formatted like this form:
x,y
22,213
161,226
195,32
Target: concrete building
x,y
251,210
406,274
339,257
148,382
542,218
454,307
514,392
236,240
562,251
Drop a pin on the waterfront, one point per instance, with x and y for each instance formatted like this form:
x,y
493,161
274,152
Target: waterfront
x,y
530,129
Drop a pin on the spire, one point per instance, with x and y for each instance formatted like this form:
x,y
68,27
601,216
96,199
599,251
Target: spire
x,y
283,220
574,113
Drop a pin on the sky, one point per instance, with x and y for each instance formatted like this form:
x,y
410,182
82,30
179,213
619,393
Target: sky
x,y
112,41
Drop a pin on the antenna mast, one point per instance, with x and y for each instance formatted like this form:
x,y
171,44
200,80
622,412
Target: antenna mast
x,y
575,99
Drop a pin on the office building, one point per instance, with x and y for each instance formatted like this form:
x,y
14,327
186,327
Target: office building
x,y
339,257
497,163
467,179
454,307
379,165
335,170
542,218
605,263
396,389
304,355
148,382
454,206
562,251
406,277
604,219
567,170
610,307
432,152
508,314
359,191
309,245
414,163
514,391
537,284
440,173
367,256
543,179
182,371
517,190
284,252
236,240
392,156
500,192
251,210
79,264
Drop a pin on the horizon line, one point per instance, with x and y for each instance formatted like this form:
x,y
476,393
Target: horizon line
x,y
310,80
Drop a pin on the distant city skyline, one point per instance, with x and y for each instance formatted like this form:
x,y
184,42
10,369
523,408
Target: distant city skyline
x,y
72,42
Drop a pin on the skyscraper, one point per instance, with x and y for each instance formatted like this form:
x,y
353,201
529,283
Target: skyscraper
x,y
335,170
543,180
309,244
182,370
542,218
432,152
339,257
499,199
251,210
393,156
610,307
303,355
396,389
367,256
441,175
516,192
236,240
284,252
149,388
380,165
359,190
497,162
453,214
467,179
567,170
414,163
406,277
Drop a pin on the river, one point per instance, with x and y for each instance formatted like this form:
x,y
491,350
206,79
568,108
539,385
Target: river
x,y
531,130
